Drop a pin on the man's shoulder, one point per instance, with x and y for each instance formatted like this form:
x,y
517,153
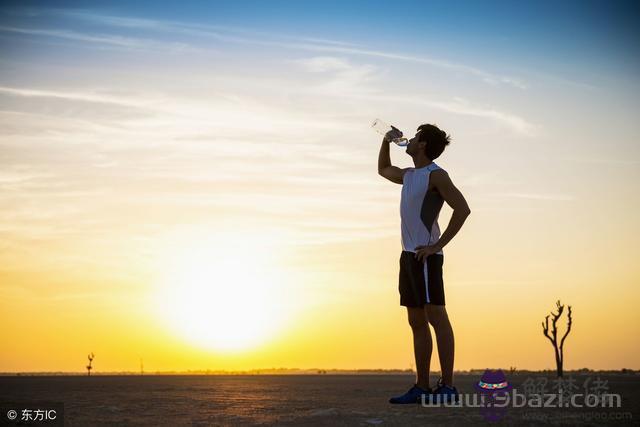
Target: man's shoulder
x,y
438,177
439,172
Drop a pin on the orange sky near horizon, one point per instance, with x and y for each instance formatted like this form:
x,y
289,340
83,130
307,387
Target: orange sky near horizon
x,y
205,201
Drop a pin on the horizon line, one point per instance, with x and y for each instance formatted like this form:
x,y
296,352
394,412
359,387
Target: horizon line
x,y
297,371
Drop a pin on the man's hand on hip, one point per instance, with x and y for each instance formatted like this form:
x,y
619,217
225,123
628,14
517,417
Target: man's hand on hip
x,y
422,252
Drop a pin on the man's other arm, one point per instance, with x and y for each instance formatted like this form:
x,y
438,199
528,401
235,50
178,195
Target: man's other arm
x,y
455,199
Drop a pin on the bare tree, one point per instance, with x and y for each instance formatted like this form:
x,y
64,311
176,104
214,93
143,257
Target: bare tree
x,y
89,367
558,347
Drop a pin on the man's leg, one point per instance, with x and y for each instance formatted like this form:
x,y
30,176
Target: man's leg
x,y
422,344
437,316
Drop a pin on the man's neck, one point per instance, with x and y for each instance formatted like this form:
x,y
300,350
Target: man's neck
x,y
420,163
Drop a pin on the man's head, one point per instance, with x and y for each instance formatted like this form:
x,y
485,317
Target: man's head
x,y
429,142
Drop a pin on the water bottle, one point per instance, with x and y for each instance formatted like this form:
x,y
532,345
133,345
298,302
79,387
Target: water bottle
x,y
382,128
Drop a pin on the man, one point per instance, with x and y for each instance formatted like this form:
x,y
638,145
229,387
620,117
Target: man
x,y
425,188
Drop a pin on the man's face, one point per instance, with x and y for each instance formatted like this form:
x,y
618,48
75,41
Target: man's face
x,y
414,146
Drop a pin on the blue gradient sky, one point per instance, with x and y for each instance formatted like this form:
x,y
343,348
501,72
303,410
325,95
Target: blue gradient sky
x,y
594,33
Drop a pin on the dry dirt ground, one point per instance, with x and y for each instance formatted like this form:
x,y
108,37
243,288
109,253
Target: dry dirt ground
x,y
331,400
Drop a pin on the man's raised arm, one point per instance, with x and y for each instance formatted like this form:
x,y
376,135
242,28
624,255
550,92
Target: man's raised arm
x,y
385,168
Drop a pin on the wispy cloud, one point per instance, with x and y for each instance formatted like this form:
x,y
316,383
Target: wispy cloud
x,y
351,80
345,77
348,82
107,39
483,75
456,106
476,72
315,44
75,96
462,106
177,26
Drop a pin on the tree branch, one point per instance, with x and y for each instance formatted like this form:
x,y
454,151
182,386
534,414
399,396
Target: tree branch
x,y
569,323
545,329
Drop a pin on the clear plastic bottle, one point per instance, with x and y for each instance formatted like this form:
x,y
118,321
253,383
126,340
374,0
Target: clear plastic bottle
x,y
382,128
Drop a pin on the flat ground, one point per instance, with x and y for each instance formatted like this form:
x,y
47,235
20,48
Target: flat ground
x,y
331,400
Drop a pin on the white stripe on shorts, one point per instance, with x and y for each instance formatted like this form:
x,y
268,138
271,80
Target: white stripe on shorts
x,y
426,279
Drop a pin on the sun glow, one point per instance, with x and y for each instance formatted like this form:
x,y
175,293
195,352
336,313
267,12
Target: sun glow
x,y
220,294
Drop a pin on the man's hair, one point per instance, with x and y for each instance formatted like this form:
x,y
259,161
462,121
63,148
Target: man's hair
x,y
435,138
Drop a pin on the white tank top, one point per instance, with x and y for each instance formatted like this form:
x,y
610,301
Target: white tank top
x,y
419,209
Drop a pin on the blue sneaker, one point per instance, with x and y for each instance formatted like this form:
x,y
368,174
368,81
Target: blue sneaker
x,y
414,395
444,393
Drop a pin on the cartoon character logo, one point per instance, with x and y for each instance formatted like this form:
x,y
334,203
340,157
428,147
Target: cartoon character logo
x,y
493,384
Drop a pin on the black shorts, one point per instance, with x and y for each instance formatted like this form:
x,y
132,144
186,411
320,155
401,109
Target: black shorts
x,y
421,282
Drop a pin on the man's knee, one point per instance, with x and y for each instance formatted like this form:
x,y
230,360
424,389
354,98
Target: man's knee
x,y
417,318
437,315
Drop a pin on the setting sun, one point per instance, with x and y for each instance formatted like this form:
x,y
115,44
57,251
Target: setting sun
x,y
218,294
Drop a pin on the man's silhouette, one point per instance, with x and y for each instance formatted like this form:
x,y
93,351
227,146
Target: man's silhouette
x,y
425,188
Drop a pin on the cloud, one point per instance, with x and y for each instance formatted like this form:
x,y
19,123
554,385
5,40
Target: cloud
x,y
456,106
299,42
345,77
347,80
177,26
350,80
321,64
74,96
483,75
128,43
461,106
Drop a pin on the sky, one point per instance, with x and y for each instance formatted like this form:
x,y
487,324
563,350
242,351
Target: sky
x,y
193,185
